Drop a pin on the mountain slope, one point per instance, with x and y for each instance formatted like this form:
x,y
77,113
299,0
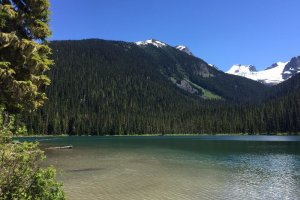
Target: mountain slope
x,y
178,66
275,74
290,86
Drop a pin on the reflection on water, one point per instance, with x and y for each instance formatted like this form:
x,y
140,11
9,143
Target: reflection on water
x,y
177,168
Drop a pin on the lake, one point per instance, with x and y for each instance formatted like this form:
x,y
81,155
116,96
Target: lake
x,y
178,167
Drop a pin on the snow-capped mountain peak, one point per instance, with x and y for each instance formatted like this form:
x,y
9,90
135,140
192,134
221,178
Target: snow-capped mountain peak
x,y
241,70
271,76
184,49
154,42
160,44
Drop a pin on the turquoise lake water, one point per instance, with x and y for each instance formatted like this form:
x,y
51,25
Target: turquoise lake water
x,y
192,167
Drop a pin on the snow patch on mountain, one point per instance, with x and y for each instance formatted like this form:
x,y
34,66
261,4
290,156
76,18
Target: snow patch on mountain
x,y
160,44
213,66
154,42
242,70
184,49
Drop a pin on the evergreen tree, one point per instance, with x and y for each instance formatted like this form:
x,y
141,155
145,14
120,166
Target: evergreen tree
x,y
23,53
23,61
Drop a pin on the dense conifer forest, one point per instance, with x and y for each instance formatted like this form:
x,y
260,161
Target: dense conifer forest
x,y
107,87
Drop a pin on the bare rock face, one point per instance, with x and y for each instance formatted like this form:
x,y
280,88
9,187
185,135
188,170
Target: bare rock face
x,y
187,87
292,68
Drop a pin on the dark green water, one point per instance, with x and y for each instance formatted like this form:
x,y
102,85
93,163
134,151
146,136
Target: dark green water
x,y
207,167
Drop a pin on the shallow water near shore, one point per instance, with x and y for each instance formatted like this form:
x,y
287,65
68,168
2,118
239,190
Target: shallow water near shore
x,y
193,167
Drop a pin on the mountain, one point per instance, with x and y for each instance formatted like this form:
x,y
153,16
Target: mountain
x,y
271,76
275,74
104,87
195,76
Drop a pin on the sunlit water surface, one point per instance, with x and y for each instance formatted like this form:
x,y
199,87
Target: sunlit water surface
x,y
207,167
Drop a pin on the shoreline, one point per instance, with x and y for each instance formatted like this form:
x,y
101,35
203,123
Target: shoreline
x,y
156,135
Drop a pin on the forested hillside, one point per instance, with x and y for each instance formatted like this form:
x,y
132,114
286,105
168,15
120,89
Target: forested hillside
x,y
105,87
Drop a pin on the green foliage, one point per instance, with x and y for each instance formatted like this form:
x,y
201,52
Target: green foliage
x,y
6,125
206,93
21,176
23,60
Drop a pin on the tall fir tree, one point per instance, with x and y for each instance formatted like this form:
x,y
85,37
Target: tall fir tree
x,y
23,53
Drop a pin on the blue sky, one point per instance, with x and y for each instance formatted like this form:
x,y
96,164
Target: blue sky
x,y
222,32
